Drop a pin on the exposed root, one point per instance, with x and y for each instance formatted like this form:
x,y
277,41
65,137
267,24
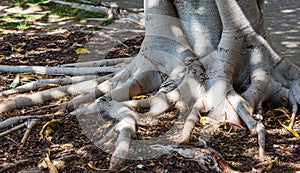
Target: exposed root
x,y
58,70
102,34
13,120
126,128
12,165
122,29
54,93
192,119
295,100
91,94
40,83
104,62
207,158
28,124
13,129
83,7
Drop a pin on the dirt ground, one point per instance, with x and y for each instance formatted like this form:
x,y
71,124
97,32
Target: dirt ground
x,y
72,151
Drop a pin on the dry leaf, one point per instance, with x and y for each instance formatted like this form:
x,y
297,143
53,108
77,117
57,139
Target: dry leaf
x,y
290,130
45,163
82,50
141,97
92,166
14,48
48,86
28,77
204,121
47,130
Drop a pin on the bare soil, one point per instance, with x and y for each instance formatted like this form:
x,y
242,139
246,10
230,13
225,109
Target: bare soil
x,y
71,150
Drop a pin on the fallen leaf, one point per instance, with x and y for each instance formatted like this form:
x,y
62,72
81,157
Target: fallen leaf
x,y
28,77
16,82
92,166
82,50
141,97
204,121
290,130
14,48
46,163
47,130
48,86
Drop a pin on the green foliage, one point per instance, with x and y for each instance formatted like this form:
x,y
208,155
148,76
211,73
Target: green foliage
x,y
108,22
76,14
23,3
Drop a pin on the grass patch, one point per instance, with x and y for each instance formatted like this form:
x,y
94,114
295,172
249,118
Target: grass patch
x,y
55,11
76,14
25,3
13,25
18,21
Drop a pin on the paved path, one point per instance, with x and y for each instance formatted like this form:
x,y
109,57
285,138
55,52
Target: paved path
x,y
283,19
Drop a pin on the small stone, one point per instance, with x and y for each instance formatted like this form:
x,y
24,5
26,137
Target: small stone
x,y
140,166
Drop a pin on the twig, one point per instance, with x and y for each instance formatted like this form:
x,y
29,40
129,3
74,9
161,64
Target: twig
x,y
30,125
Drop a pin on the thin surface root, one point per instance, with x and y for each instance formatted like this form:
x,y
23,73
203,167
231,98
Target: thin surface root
x,y
41,83
58,70
43,96
104,62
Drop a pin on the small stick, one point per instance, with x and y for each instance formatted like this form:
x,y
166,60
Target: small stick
x,y
30,125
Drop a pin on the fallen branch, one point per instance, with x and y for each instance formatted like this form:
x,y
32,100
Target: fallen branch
x,y
58,70
41,83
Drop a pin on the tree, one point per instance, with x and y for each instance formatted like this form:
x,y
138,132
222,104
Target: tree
x,y
210,56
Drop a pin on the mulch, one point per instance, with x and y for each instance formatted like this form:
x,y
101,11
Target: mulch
x,y
71,150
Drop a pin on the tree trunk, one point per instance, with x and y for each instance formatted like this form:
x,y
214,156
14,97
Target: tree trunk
x,y
198,56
